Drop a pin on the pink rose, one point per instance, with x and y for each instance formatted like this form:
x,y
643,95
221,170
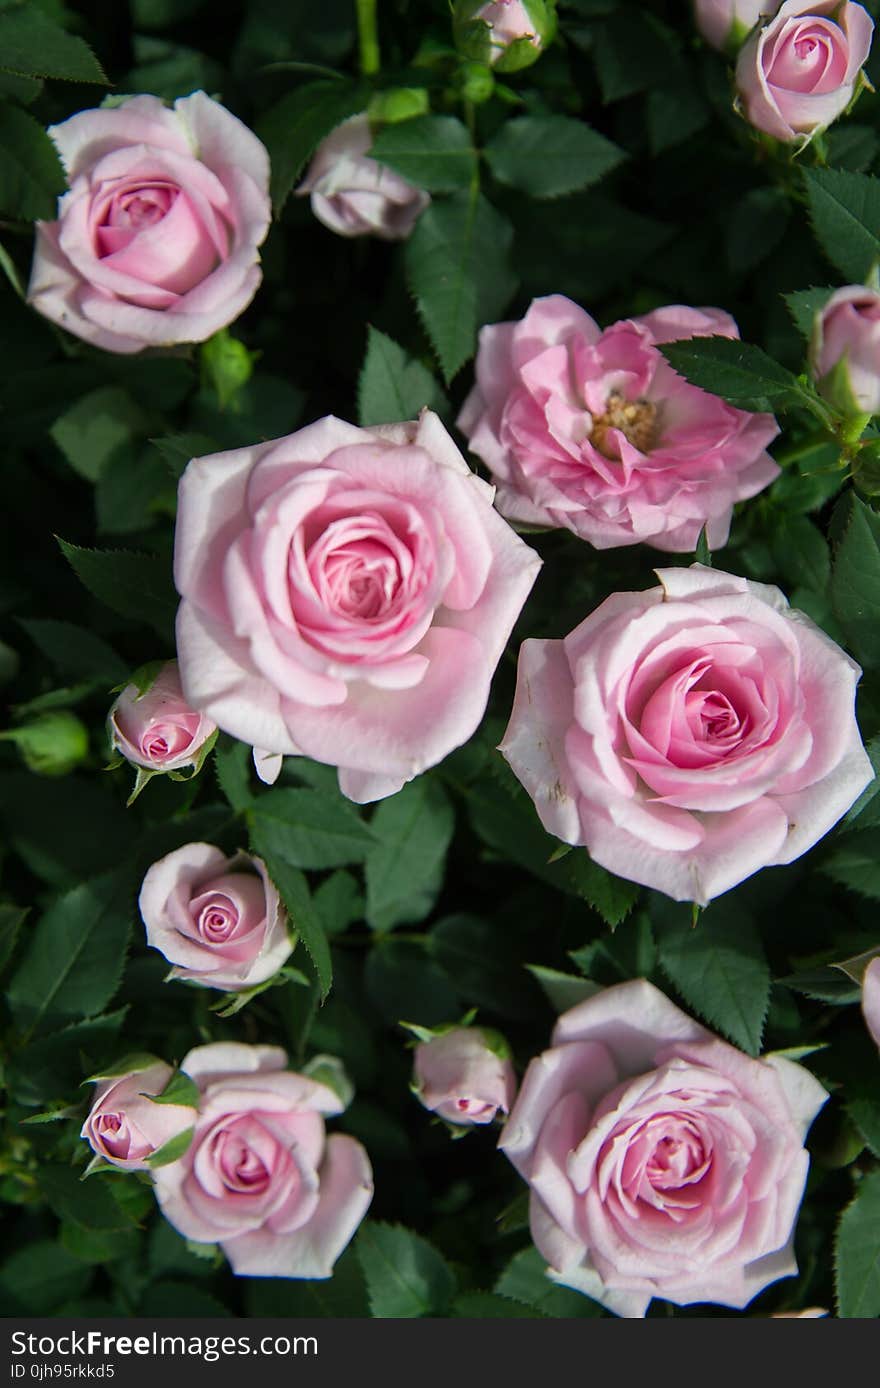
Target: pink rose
x,y
725,23
464,1075
354,195
871,999
157,240
662,1161
347,594
594,430
125,1126
157,729
689,735
261,1177
845,350
798,72
218,920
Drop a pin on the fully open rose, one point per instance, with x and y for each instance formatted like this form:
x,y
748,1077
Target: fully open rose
x,y
261,1177
662,1161
347,594
157,240
594,430
218,920
797,71
125,1126
691,734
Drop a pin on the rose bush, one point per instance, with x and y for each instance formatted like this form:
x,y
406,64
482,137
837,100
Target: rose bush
x,y
662,1161
261,1177
158,239
797,72
594,431
346,595
218,920
354,195
689,735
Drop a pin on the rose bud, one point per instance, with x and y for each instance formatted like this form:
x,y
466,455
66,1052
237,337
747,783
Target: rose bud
x,y
346,595
507,34
354,195
261,1177
871,999
726,23
218,920
464,1075
51,744
154,728
157,240
125,1126
662,1161
689,735
797,72
845,351
594,431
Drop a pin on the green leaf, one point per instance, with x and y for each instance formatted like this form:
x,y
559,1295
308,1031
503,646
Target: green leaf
x,y
393,386
433,152
90,1204
11,920
172,1150
402,980
291,883
801,552
823,983
56,1063
339,901
845,212
98,1245
180,1089
75,651
293,128
31,176
31,45
404,870
741,374
178,450
457,265
803,305
310,828
93,429
476,954
233,762
864,1113
525,1280
547,156
855,577
74,959
138,586
129,1064
718,966
857,1253
405,1276
562,990
343,1294
855,862
40,1277
483,1305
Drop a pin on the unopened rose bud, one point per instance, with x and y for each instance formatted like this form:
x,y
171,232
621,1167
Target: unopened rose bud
x,y
845,351
52,744
126,1126
354,195
506,34
154,727
726,23
464,1075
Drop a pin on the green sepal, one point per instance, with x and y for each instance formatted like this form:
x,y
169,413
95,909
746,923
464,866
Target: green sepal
x,y
53,1115
228,1006
856,967
141,781
227,365
172,1150
129,1065
180,1089
702,552
330,1071
95,1165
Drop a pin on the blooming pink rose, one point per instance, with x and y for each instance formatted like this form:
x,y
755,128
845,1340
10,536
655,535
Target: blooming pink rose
x,y
871,999
845,350
462,1076
347,594
595,431
218,920
354,195
726,22
691,734
662,1161
157,240
125,1126
797,73
158,730
261,1177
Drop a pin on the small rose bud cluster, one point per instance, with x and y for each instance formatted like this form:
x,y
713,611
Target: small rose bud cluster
x,y
239,1154
463,1074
